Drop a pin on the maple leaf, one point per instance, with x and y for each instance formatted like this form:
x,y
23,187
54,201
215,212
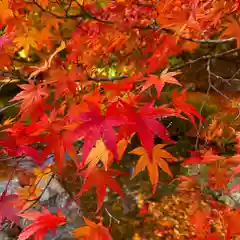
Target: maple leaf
x,y
143,121
232,224
207,158
125,85
160,159
59,144
233,30
7,122
99,153
4,39
101,179
43,221
6,12
7,210
14,146
26,195
179,101
27,41
92,231
159,82
47,63
218,178
94,126
200,220
32,98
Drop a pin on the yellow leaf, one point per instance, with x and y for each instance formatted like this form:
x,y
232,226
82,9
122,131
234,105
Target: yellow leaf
x,y
99,152
7,122
27,41
136,237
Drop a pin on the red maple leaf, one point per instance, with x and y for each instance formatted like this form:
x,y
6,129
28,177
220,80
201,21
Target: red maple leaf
x,y
94,126
50,130
14,147
101,179
126,84
32,98
7,210
42,223
197,158
179,102
59,144
143,121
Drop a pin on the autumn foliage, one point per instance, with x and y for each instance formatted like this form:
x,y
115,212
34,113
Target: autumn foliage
x,y
98,74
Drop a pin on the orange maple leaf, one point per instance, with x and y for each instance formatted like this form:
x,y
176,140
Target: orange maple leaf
x,y
160,159
5,12
233,30
231,221
92,231
159,82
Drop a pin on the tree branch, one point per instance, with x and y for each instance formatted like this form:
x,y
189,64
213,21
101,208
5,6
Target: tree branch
x,y
76,16
149,27
39,197
213,41
4,73
205,57
9,106
105,79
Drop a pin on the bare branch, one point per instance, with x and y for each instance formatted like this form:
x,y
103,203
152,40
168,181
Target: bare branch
x,y
9,106
149,27
219,92
205,57
38,199
76,16
8,74
111,217
201,109
105,79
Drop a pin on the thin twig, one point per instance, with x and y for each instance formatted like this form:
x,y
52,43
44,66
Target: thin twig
x,y
205,57
4,84
9,106
105,79
201,109
112,217
220,93
149,27
68,7
38,199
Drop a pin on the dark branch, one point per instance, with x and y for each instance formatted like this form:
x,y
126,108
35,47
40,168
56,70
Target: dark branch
x,y
149,27
205,57
105,79
9,106
38,199
7,74
76,16
213,41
